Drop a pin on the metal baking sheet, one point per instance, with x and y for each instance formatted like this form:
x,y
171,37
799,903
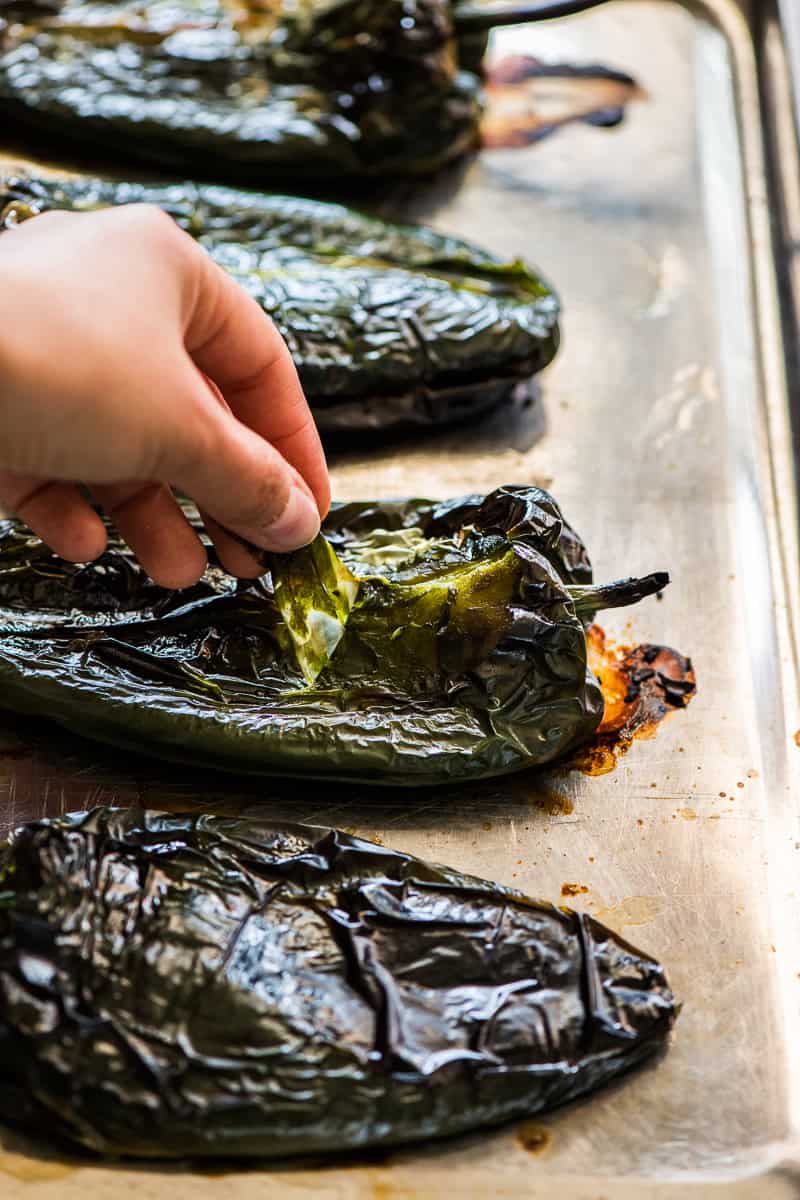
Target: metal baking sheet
x,y
665,430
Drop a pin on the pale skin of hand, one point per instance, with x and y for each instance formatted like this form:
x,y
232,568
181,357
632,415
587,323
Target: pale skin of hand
x,y
116,321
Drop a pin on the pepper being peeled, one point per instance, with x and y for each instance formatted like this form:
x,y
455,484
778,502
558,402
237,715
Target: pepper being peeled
x,y
177,986
459,649
390,326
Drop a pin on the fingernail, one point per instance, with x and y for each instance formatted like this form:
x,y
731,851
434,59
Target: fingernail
x,y
297,525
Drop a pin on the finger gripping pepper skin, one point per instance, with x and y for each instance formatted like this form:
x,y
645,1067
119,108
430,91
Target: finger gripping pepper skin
x,y
195,986
463,656
390,326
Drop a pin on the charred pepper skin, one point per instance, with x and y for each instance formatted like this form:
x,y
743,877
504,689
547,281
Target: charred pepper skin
x,y
391,326
324,89
194,986
463,657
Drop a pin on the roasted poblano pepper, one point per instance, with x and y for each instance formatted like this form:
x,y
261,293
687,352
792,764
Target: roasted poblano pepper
x,y
195,986
458,647
317,88
390,326
307,89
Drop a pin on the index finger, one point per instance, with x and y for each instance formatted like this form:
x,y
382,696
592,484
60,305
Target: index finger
x,y
235,344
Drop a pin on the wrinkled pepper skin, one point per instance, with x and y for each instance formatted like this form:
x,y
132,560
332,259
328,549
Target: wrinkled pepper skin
x,y
320,89
391,326
178,986
210,674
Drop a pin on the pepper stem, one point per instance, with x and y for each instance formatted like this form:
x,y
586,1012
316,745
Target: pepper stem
x,y
593,598
476,17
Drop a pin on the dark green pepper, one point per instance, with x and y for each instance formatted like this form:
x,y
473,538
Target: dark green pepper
x,y
316,89
461,653
319,89
177,986
390,326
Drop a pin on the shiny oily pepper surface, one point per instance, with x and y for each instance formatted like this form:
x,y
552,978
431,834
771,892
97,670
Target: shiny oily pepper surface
x,y
313,89
390,326
464,655
195,986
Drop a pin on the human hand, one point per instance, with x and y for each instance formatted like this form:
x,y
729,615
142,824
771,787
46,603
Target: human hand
x,y
116,321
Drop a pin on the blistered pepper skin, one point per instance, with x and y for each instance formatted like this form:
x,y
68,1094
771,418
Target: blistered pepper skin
x,y
463,657
391,326
324,89
193,986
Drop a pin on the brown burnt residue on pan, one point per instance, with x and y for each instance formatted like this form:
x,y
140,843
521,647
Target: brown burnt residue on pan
x,y
526,99
552,802
641,686
534,1138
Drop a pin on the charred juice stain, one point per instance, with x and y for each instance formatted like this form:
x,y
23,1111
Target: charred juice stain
x,y
535,1139
641,685
527,100
551,802
382,1188
573,889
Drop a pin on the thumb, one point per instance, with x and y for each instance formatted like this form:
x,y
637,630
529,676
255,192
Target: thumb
x,y
238,478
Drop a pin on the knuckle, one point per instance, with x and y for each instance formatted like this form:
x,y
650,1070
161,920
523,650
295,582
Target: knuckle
x,y
148,220
303,427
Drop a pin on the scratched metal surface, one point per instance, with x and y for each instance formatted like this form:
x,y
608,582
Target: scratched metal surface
x,y
664,432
